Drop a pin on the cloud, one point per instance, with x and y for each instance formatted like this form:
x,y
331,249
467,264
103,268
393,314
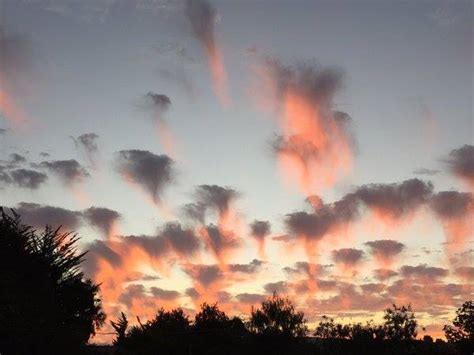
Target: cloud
x,y
388,200
385,250
461,163
149,171
202,16
99,250
465,272
451,204
132,292
154,246
423,271
250,298
259,230
316,146
195,211
87,143
250,268
395,200
220,242
39,216
455,210
347,256
183,241
280,287
102,218
29,179
15,68
424,171
68,171
216,197
385,274
164,294
204,274
158,103
16,158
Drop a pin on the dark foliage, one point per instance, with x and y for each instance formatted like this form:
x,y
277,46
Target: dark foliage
x,y
277,319
46,305
400,323
461,332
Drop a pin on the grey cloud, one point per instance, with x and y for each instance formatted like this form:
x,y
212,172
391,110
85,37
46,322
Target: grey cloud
x,y
101,218
396,199
192,293
450,204
68,171
250,268
29,179
204,274
16,55
39,216
16,158
347,256
183,241
385,274
423,271
98,250
425,171
216,197
305,268
164,294
250,298
318,84
150,171
461,162
278,287
87,142
132,292
218,241
156,102
154,246
260,229
466,272
385,248
202,16
195,211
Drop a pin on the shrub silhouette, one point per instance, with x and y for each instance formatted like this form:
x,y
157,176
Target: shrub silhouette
x,y
461,332
46,305
277,318
400,323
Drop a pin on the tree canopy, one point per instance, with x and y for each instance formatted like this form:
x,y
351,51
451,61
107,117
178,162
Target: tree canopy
x,y
46,304
277,317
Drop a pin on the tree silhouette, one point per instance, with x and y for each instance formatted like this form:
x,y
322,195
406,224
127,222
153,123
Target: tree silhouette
x,y
328,329
45,303
120,327
462,331
277,318
400,323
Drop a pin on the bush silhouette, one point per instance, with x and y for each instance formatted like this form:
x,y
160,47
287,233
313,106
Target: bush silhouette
x,y
277,318
46,305
400,323
461,332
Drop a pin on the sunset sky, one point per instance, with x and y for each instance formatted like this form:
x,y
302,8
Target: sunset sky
x,y
224,150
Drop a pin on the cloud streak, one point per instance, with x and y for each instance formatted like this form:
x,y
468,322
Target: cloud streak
x,y
316,147
202,17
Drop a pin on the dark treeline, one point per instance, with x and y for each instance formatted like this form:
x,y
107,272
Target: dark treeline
x,y
47,306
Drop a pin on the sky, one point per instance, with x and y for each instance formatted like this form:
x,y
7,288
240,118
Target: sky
x,y
218,151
